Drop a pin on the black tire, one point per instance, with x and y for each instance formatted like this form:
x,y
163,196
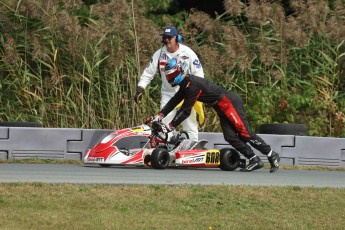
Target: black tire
x,y
147,159
284,129
160,158
229,159
105,165
20,124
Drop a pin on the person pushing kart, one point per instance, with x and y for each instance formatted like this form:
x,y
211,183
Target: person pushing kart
x,y
229,108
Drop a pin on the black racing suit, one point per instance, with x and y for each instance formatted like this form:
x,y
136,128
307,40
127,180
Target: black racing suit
x,y
229,107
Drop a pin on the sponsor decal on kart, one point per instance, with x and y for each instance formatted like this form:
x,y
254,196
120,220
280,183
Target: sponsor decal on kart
x,y
141,130
193,161
212,157
95,159
137,130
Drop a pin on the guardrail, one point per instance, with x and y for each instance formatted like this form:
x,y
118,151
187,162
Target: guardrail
x,y
71,144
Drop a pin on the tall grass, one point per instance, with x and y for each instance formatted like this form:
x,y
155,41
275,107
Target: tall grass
x,y
72,64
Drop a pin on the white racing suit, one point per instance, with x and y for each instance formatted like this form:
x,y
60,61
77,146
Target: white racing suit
x,y
191,65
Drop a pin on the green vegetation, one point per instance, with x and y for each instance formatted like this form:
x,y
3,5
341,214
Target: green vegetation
x,y
67,206
74,63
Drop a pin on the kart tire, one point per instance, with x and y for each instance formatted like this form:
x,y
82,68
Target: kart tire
x,y
229,159
160,158
284,129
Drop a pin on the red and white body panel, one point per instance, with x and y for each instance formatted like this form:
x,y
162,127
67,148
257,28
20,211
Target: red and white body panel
x,y
107,152
198,158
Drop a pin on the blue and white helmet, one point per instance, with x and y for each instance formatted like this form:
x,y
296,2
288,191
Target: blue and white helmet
x,y
173,72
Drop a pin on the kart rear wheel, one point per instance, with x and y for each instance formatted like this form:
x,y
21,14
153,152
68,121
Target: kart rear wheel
x,y
229,159
160,158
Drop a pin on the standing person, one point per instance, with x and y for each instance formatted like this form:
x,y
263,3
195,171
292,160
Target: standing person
x,y
172,48
229,108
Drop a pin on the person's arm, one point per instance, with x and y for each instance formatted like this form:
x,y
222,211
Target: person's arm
x,y
191,95
173,102
146,77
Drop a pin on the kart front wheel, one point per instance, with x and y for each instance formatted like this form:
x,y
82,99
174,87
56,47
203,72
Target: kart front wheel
x,y
160,158
229,159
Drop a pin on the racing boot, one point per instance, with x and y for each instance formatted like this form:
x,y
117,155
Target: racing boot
x,y
254,164
274,160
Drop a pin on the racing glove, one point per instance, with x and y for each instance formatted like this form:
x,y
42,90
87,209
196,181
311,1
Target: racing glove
x,y
139,95
157,118
166,128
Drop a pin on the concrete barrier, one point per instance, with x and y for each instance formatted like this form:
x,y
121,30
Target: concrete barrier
x,y
71,144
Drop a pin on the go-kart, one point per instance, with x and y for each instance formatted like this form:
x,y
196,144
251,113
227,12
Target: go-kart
x,y
122,147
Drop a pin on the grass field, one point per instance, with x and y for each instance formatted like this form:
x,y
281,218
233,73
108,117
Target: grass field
x,y
75,206
69,206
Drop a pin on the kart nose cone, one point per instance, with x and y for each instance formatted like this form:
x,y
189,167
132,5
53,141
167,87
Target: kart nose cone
x,y
101,147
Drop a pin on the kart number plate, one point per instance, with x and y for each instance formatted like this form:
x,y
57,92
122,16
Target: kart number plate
x,y
212,157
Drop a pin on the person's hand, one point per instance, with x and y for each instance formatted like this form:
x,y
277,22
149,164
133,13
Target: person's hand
x,y
139,95
157,118
165,128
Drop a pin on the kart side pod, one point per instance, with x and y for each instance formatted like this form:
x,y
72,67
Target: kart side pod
x,y
229,159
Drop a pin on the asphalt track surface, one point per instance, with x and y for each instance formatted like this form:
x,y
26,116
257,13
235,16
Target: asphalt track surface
x,y
79,174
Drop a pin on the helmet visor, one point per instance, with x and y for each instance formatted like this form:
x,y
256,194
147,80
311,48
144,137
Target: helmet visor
x,y
171,74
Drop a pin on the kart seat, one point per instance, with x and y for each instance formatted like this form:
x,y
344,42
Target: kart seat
x,y
200,144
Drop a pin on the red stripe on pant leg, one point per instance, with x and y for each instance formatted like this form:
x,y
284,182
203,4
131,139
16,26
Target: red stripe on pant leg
x,y
228,109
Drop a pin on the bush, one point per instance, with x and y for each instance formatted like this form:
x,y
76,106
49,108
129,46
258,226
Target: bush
x,y
76,63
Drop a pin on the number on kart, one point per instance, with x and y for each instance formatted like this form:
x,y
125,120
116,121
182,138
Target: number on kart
x,y
212,157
